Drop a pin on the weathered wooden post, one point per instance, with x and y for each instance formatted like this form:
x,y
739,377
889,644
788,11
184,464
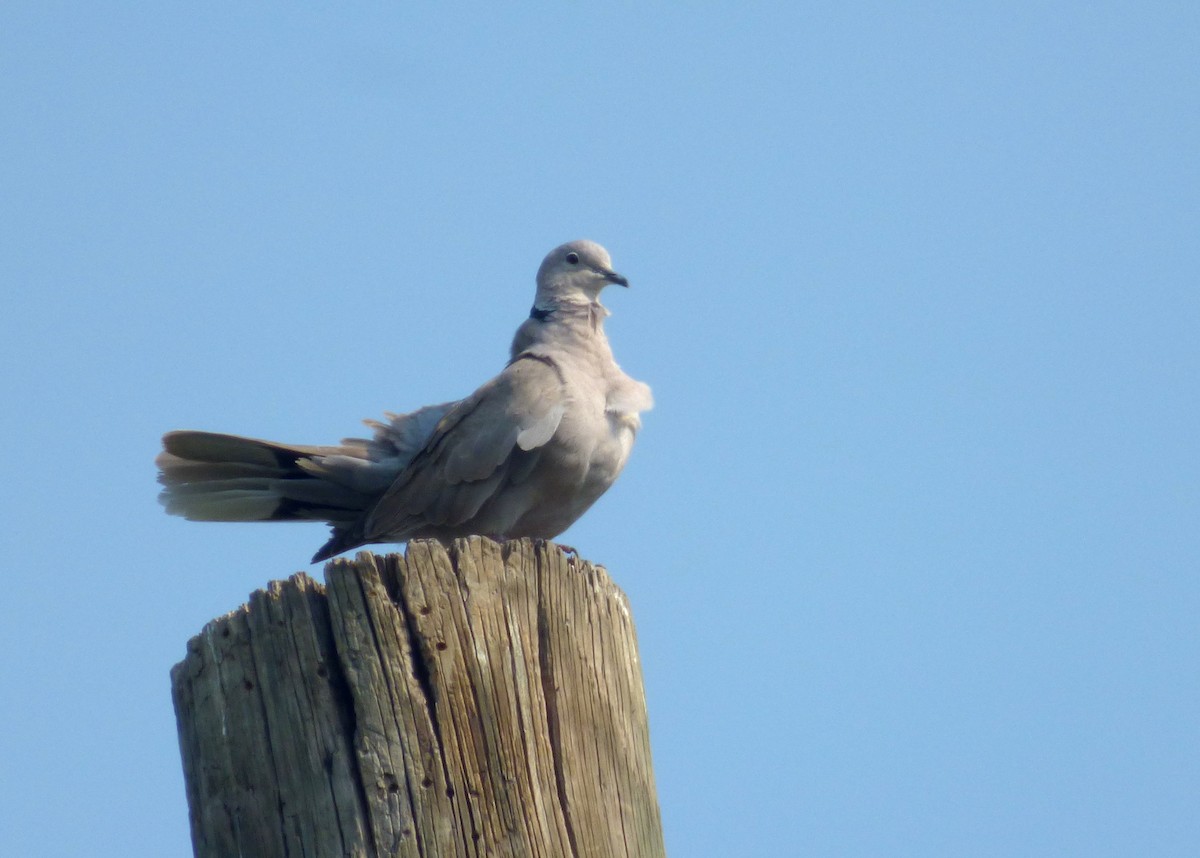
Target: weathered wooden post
x,y
480,700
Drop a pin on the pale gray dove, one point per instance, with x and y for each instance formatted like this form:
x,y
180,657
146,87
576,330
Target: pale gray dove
x,y
524,455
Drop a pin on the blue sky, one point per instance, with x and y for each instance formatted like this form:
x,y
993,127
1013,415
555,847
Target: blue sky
x,y
911,536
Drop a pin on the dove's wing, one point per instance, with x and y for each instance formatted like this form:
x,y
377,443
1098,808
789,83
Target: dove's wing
x,y
399,437
488,441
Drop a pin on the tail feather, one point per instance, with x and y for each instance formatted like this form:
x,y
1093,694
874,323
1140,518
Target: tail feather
x,y
175,470
225,505
213,477
228,449
209,476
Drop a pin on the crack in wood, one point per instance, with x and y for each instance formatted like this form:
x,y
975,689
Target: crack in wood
x,y
550,694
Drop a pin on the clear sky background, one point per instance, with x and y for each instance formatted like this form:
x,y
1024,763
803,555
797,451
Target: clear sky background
x,y
912,536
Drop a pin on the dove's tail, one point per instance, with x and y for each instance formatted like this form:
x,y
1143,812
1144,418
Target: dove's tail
x,y
212,477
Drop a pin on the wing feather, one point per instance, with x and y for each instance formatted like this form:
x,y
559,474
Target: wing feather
x,y
467,459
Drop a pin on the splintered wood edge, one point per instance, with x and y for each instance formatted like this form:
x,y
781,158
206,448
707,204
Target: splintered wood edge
x,y
306,583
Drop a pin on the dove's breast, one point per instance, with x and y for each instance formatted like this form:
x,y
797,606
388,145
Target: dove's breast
x,y
594,437
611,422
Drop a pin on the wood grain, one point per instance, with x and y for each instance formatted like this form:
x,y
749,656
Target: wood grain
x,y
484,699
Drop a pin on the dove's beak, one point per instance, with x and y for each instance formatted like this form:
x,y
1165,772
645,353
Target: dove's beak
x,y
614,277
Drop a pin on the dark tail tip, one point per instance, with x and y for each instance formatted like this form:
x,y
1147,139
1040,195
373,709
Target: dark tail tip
x,y
339,542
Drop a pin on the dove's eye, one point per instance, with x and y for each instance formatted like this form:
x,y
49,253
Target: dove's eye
x,y
573,258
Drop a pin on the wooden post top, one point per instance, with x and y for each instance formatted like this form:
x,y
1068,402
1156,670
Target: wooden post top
x,y
476,699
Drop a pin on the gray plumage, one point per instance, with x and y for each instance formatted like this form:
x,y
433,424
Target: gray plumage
x,y
524,455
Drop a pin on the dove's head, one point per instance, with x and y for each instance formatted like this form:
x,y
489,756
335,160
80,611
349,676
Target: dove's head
x,y
575,272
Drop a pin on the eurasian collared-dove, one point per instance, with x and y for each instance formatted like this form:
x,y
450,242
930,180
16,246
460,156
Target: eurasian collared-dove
x,y
524,455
